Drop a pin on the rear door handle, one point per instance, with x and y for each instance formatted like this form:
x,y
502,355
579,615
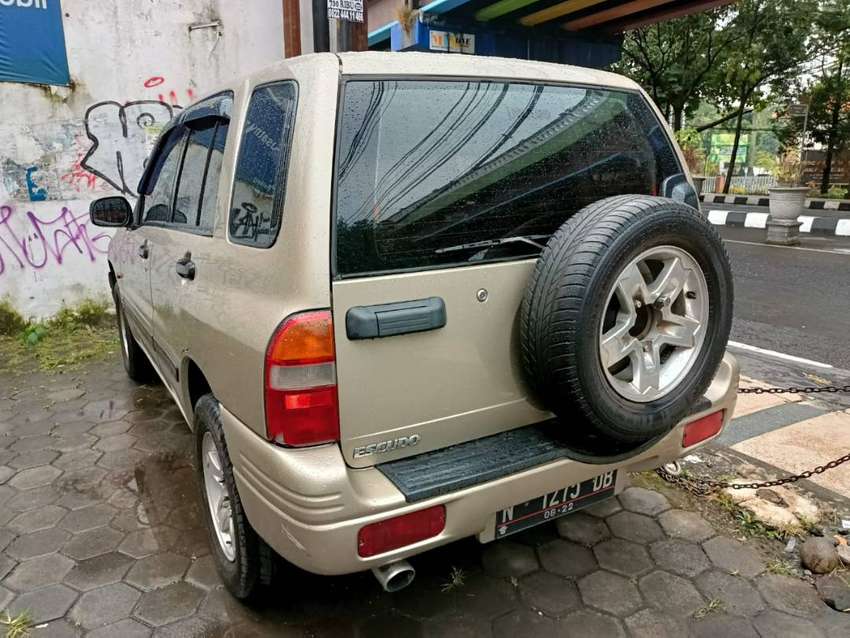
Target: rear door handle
x,y
186,267
387,320
144,251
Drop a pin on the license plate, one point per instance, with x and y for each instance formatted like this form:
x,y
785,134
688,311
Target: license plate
x,y
552,505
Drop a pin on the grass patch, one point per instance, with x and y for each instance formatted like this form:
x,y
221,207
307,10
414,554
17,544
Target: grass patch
x,y
11,322
781,567
456,580
16,626
714,605
71,337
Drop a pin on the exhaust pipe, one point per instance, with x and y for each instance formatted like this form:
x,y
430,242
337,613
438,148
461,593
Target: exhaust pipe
x,y
394,576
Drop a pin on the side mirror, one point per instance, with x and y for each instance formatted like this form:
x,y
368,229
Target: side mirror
x,y
111,212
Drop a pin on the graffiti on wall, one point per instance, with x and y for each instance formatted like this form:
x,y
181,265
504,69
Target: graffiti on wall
x,y
32,242
121,137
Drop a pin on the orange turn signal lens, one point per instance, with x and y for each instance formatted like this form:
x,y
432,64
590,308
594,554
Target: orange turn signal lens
x,y
303,339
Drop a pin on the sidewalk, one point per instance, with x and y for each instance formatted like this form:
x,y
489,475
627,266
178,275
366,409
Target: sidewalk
x,y
100,535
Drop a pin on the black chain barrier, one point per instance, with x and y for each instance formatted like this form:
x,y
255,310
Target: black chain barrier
x,y
706,487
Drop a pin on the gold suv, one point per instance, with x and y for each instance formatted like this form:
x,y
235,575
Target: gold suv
x,y
404,299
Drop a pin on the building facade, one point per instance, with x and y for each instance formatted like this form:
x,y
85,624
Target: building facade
x,y
130,67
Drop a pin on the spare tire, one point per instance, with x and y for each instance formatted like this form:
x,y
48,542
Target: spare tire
x,y
626,317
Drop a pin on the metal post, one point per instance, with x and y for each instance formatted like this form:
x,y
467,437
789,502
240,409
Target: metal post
x,y
803,144
321,33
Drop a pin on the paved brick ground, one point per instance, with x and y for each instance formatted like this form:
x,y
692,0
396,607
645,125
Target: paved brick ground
x,y
100,535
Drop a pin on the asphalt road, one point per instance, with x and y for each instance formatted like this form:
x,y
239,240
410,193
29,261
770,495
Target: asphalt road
x,y
794,301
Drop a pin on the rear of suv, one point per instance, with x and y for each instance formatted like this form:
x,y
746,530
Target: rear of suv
x,y
404,299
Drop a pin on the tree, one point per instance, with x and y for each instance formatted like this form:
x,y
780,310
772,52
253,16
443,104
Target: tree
x,y
829,113
773,39
673,60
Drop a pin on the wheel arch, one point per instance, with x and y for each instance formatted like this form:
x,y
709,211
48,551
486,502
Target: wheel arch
x,y
194,382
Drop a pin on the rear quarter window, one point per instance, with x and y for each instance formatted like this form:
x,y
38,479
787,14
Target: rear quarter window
x,y
260,180
425,168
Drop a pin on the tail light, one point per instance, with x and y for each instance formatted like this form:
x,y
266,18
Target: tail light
x,y
702,429
384,536
302,407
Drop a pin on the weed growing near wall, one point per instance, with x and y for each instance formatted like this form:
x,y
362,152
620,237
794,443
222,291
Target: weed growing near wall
x,y
73,336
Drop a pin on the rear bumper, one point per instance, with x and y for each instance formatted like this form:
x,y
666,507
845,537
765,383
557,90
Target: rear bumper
x,y
309,505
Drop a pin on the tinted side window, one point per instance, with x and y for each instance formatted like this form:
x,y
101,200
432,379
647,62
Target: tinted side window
x,y
160,191
259,182
191,186
206,219
428,170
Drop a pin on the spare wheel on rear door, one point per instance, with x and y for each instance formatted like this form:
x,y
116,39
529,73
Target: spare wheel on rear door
x,y
627,316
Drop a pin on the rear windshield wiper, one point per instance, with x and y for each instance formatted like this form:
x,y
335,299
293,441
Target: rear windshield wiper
x,y
488,243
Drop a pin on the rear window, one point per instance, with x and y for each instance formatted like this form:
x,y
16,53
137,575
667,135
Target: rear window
x,y
430,174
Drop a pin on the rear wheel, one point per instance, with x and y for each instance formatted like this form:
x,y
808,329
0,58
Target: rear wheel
x,y
242,559
136,362
627,317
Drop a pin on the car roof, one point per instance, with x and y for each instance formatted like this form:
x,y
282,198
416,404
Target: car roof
x,y
456,65
421,64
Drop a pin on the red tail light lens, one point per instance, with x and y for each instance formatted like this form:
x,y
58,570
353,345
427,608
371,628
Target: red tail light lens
x,y
302,407
702,429
393,533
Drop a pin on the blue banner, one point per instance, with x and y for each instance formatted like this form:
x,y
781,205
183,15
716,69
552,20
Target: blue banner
x,y
32,42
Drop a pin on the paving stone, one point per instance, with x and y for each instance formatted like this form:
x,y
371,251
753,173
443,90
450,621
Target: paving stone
x,y
45,604
6,537
688,525
379,626
126,628
634,527
506,558
145,542
516,624
225,610
64,395
6,473
623,557
98,571
610,592
163,606
203,573
643,501
6,565
157,571
733,556
39,572
77,459
105,410
775,624
533,536
790,595
104,605
32,499
834,624
604,509
34,477
721,626
5,597
38,543
197,626
36,520
92,543
670,593
88,518
583,529
566,559
32,459
106,430
117,442
680,557
738,596
650,623
485,596
550,593
590,624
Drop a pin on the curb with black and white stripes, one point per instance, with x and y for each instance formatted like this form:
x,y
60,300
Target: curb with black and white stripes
x,y
809,224
760,200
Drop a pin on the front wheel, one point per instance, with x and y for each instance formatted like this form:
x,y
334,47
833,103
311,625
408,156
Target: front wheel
x,y
136,362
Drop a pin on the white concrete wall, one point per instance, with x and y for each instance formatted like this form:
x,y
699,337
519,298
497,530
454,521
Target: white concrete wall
x,y
129,61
